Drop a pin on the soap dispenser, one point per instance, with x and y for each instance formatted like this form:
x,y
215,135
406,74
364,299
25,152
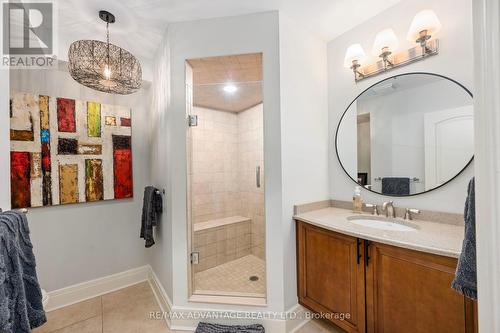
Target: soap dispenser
x,y
357,201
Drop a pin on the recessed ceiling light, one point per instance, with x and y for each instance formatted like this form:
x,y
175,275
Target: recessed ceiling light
x,y
230,88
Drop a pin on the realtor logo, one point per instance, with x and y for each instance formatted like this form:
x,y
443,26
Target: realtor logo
x,y
28,34
28,28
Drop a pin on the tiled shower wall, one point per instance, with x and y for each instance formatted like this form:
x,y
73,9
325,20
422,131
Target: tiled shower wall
x,y
226,149
250,156
215,186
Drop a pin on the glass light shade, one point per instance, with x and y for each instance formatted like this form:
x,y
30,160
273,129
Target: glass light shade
x,y
354,52
424,20
385,38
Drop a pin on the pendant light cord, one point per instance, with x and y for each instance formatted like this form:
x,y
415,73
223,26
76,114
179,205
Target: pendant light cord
x,y
107,45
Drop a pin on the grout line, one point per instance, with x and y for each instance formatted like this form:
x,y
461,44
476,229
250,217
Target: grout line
x,y
72,324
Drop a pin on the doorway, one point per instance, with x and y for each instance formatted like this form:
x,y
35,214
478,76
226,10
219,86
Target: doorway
x,y
226,176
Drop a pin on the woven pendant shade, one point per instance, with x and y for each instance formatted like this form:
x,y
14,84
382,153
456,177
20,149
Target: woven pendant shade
x,y
103,66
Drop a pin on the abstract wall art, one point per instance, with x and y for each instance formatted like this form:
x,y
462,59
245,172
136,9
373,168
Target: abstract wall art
x,y
68,151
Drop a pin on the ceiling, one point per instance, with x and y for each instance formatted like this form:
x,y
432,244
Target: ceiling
x,y
140,24
211,75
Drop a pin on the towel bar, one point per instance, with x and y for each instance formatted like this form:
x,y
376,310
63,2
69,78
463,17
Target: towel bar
x,y
414,179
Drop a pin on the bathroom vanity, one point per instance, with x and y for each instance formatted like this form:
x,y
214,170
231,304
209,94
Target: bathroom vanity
x,y
375,279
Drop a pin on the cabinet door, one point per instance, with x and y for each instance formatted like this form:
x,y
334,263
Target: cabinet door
x,y
331,276
409,291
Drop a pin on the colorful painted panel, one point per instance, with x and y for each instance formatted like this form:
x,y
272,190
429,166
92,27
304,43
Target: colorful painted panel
x,y
68,151
94,119
93,180
18,135
66,121
68,183
90,149
67,146
20,170
44,112
126,122
122,157
110,121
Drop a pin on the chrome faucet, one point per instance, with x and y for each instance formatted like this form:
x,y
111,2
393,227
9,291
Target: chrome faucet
x,y
388,208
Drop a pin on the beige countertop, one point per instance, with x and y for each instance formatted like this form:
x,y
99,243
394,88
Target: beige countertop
x,y
432,237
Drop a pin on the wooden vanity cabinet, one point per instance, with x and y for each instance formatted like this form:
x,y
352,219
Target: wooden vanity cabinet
x,y
409,291
331,276
390,290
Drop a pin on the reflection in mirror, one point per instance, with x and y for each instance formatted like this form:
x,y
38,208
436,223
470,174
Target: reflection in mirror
x,y
407,134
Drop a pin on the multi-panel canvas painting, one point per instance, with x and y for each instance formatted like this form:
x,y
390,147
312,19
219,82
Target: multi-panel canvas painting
x,y
68,151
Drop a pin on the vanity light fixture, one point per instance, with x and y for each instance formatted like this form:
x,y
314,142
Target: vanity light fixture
x,y
354,56
385,44
423,30
230,88
423,27
103,66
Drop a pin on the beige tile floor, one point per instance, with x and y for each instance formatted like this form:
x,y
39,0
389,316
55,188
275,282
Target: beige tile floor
x,y
318,326
123,311
232,278
126,311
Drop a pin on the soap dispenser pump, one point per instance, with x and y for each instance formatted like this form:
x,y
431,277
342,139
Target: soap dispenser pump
x,y
357,201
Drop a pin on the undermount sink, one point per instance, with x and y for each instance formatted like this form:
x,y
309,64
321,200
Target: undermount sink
x,y
383,223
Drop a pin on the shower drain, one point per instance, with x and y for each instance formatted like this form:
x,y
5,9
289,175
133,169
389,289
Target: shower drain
x,y
253,278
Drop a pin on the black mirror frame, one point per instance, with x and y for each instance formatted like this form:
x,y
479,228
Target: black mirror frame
x,y
378,82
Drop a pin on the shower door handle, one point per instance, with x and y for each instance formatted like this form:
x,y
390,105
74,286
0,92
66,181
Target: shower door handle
x,y
257,176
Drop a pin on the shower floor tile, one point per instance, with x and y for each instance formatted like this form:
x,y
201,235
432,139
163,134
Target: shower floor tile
x,y
233,278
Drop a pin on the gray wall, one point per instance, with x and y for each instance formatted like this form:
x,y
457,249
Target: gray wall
x,y
455,60
80,242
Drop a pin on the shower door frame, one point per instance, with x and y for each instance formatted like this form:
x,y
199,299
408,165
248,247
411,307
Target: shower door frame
x,y
205,298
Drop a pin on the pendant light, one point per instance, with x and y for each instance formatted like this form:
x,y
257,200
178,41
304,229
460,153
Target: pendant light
x,y
103,66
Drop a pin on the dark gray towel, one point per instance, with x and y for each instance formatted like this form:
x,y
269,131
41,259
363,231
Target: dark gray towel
x,y
216,328
21,307
466,276
152,208
396,186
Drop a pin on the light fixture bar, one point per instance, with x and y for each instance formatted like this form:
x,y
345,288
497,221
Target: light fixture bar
x,y
400,59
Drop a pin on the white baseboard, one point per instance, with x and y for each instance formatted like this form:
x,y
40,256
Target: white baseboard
x,y
184,321
160,294
97,287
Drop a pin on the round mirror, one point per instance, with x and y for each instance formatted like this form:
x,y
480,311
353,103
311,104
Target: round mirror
x,y
407,134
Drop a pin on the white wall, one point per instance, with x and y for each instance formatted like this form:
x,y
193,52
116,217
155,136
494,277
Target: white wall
x,y
4,134
487,128
348,145
454,61
160,145
79,242
4,140
304,133
206,38
298,136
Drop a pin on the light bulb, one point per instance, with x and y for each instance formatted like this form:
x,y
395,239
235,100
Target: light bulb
x,y
425,22
230,88
355,52
107,72
385,40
